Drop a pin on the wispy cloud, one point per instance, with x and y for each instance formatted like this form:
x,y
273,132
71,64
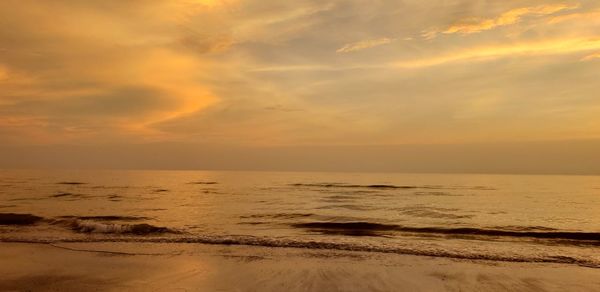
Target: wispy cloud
x,y
591,57
362,45
588,16
513,16
552,47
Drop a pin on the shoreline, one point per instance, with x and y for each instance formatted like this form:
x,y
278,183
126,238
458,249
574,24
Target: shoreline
x,y
201,267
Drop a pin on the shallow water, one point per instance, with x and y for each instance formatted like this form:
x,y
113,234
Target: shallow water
x,y
495,217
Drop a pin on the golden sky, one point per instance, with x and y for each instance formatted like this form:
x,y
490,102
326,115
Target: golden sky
x,y
302,72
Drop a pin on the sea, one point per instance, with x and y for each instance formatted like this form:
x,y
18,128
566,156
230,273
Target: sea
x,y
514,218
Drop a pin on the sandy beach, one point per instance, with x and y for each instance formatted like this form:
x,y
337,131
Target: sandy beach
x,y
198,267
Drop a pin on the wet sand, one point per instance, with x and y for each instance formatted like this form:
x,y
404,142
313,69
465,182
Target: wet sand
x,y
198,267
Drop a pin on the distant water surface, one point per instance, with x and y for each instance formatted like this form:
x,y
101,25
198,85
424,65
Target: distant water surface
x,y
492,217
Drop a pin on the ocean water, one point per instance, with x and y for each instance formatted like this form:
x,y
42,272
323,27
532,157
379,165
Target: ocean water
x,y
518,218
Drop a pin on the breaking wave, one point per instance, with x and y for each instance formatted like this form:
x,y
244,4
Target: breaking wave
x,y
88,226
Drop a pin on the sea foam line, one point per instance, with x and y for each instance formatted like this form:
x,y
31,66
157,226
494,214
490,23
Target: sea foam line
x,y
315,245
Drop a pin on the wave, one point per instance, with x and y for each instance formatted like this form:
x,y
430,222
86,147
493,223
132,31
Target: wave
x,y
344,185
203,183
73,183
18,219
278,216
355,207
367,228
437,194
320,245
115,198
430,212
388,186
88,226
107,218
69,195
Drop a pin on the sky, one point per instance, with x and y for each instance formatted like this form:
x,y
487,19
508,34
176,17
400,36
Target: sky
x,y
258,75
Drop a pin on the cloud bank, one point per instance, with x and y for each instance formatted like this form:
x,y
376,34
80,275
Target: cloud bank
x,y
307,72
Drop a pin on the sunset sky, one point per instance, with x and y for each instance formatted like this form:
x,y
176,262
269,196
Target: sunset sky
x,y
272,73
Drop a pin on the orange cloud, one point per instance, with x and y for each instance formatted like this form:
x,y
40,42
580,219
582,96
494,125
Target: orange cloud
x,y
362,45
591,57
475,25
551,47
3,73
174,74
591,16
99,69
